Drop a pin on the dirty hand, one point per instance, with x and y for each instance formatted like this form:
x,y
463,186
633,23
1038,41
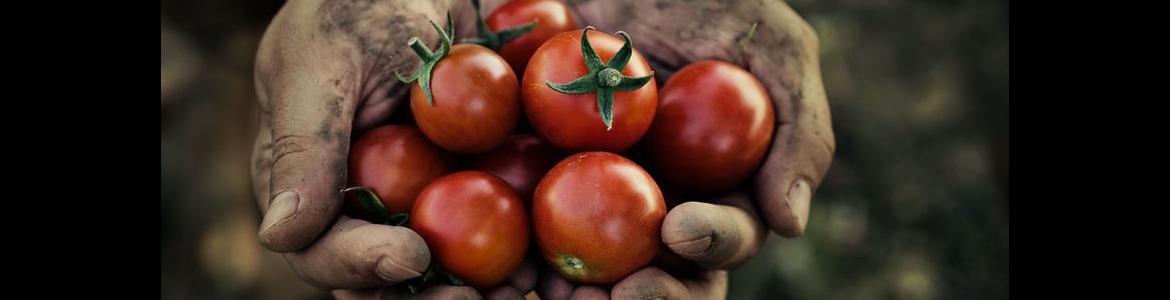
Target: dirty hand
x,y
724,233
324,72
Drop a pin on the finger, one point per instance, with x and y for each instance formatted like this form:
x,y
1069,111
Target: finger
x,y
435,292
524,278
262,163
519,283
310,126
506,292
804,144
650,283
553,286
589,293
358,254
709,285
715,236
362,294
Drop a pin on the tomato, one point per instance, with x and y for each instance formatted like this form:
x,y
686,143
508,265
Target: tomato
x,y
476,102
597,217
551,16
475,226
713,127
396,163
571,122
522,161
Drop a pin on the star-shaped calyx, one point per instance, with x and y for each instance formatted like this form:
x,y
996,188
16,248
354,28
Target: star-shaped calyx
x,y
429,59
494,40
603,79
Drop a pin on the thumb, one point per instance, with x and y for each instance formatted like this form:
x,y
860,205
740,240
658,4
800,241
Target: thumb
x,y
309,125
804,144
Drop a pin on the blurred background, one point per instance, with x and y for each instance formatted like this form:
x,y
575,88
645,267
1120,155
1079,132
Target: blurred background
x,y
914,207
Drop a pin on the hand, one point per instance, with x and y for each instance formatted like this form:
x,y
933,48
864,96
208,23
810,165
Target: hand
x,y
783,55
325,71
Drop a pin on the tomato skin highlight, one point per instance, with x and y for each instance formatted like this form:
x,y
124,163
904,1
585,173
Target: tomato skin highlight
x,y
571,122
521,161
476,101
597,217
396,162
713,127
475,226
552,17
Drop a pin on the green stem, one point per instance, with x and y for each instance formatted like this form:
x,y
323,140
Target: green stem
x,y
421,49
495,39
603,78
429,59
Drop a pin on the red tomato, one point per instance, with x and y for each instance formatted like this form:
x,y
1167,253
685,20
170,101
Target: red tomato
x,y
597,217
571,122
713,127
396,163
521,162
551,16
475,226
476,102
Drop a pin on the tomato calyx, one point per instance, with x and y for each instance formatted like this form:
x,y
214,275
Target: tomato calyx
x,y
373,208
494,40
433,273
571,266
603,79
429,59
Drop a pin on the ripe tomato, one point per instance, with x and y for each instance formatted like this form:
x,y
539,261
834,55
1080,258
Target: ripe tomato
x,y
476,102
521,161
597,217
571,122
551,16
396,163
475,226
713,127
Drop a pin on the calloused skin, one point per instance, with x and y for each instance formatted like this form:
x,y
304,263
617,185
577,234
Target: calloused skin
x,y
324,73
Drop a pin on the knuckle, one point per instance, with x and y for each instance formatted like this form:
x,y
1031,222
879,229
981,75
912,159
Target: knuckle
x,y
291,144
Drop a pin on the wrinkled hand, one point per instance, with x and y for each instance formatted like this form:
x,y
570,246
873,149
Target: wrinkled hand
x,y
726,232
324,71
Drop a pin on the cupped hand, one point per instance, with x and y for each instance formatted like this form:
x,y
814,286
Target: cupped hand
x,y
324,72
723,233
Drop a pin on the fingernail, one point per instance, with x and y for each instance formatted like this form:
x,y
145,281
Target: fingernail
x,y
694,248
283,206
393,272
799,196
687,231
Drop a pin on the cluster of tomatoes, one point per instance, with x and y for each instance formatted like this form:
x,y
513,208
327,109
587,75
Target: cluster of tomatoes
x,y
477,191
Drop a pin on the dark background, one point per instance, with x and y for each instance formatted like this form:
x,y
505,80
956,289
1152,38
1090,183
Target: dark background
x,y
914,207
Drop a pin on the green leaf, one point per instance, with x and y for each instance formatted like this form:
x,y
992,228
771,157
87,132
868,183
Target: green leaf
x,y
633,83
592,61
433,272
477,40
584,84
371,205
605,106
443,37
486,37
407,79
450,30
425,81
399,219
510,34
619,59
